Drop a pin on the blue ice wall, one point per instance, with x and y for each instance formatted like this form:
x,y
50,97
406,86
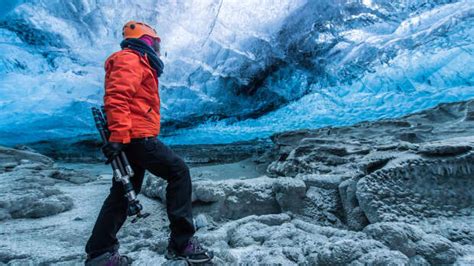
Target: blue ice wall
x,y
236,70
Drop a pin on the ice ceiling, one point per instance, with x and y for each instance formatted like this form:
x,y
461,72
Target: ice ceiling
x,y
236,70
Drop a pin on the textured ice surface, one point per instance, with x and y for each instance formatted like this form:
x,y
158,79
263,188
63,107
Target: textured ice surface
x,y
398,184
236,69
411,169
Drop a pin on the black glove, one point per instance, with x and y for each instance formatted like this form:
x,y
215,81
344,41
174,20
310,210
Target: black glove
x,y
111,150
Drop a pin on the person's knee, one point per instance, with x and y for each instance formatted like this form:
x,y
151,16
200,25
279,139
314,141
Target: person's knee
x,y
180,168
115,200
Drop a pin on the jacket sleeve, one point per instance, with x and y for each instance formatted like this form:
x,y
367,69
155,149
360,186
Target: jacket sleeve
x,y
123,77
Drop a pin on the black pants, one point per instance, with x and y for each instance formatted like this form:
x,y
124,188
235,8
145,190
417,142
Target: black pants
x,y
152,155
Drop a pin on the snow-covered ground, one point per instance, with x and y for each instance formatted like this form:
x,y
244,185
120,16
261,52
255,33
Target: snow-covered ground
x,y
61,238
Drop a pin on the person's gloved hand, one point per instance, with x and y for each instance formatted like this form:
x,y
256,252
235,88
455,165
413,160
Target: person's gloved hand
x,y
111,150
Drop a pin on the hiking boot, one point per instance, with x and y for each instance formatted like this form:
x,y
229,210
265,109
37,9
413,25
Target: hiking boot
x,y
192,253
109,259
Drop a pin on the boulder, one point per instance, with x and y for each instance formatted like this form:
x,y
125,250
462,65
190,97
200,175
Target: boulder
x,y
412,241
73,176
321,180
10,158
26,187
343,252
26,194
354,217
257,239
382,257
323,206
235,198
416,189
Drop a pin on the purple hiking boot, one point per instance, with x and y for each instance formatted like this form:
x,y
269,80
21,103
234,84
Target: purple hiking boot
x,y
192,253
109,259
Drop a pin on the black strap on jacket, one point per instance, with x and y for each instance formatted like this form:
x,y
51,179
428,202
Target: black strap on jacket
x,y
143,48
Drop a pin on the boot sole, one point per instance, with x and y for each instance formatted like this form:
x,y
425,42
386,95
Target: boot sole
x,y
189,261
197,261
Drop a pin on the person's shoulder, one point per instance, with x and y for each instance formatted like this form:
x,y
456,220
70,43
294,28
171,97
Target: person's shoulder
x,y
125,55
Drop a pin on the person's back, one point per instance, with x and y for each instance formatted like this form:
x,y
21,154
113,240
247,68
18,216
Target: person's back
x,y
130,76
132,105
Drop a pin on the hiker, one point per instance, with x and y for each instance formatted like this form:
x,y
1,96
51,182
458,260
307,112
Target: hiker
x,y
132,105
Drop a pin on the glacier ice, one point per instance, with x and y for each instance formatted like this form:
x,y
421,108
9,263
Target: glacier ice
x,y
236,70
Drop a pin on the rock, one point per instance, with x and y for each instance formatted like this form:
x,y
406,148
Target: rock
x,y
262,256
8,166
221,234
398,236
466,259
27,164
200,221
321,180
27,194
406,169
289,193
272,219
456,229
437,249
344,252
444,150
323,205
375,161
37,202
222,153
418,261
411,137
356,219
414,189
310,158
80,149
353,214
469,113
73,176
9,256
10,157
154,187
27,191
382,257
412,241
4,212
233,199
284,167
256,239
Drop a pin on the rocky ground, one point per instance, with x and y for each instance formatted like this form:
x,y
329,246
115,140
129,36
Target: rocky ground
x,y
389,192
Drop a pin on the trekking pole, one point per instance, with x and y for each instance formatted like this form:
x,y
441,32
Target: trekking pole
x,y
122,171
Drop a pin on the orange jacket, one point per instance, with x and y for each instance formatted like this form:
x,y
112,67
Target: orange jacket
x,y
132,101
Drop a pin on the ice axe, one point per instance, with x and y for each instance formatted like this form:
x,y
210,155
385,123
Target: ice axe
x,y
122,171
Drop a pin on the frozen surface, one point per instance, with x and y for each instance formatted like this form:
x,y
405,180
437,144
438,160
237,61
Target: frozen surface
x,y
389,192
236,70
